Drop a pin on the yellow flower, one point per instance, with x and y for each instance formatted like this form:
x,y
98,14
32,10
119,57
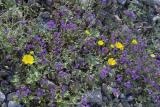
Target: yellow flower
x,y
87,32
100,42
112,61
153,55
28,59
31,52
119,45
112,46
134,42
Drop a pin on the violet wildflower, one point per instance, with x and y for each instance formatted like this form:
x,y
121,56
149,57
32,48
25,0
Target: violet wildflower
x,y
64,88
68,26
52,91
119,78
40,92
58,66
103,73
116,92
23,92
58,43
84,100
149,91
43,60
42,53
130,14
128,84
51,24
105,50
37,38
62,74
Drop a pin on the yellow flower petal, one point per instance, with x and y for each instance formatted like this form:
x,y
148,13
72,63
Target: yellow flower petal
x,y
28,59
119,45
101,42
112,61
134,42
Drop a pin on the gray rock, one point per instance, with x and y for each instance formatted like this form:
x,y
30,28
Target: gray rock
x,y
152,2
157,2
95,97
10,96
125,104
13,104
49,2
4,105
120,105
2,97
122,1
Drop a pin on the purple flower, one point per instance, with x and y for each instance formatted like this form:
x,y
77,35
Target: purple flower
x,y
64,88
62,74
158,58
128,84
52,91
51,24
104,2
37,38
105,50
116,92
104,38
43,52
103,73
43,60
84,101
68,26
149,91
58,66
40,92
119,78
130,14
23,92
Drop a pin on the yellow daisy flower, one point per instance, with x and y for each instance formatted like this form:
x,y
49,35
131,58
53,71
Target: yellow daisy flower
x,y
100,42
28,59
119,45
112,61
134,42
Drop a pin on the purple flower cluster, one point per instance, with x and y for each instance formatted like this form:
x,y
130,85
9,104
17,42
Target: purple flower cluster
x,y
58,43
68,26
23,91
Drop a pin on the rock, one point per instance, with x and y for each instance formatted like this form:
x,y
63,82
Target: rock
x,y
2,97
4,105
139,105
157,2
125,104
95,97
156,18
152,2
3,74
10,96
13,104
120,105
49,2
122,1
